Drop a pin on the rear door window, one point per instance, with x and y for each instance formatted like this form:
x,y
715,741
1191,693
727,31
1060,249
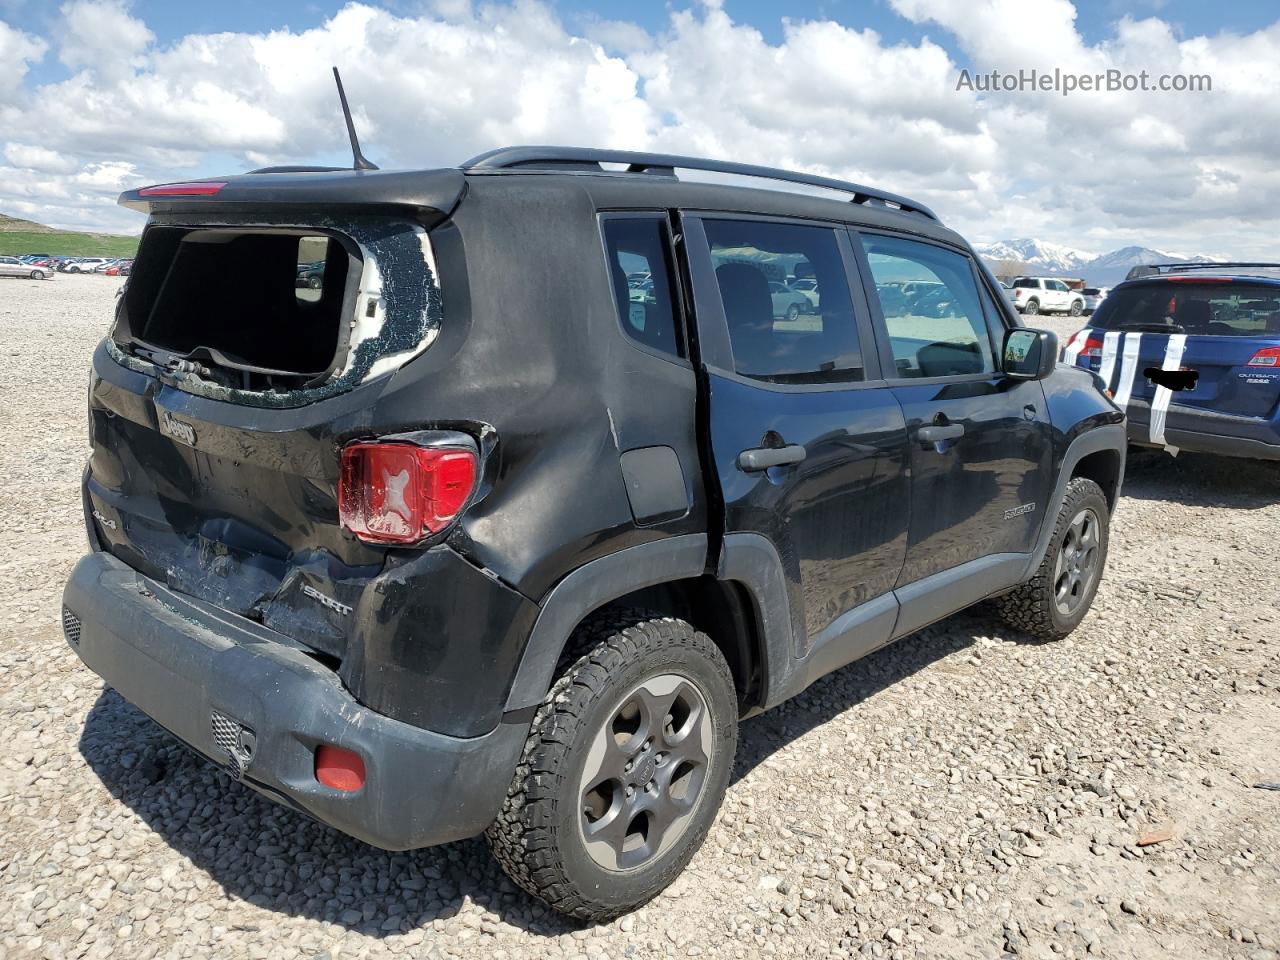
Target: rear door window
x,y
777,332
1224,308
932,312
638,249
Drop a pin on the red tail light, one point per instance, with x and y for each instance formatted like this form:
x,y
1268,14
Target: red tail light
x,y
1266,357
340,769
399,493
1092,348
200,188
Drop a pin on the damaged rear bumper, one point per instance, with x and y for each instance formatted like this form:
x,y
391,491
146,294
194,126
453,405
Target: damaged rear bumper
x,y
192,668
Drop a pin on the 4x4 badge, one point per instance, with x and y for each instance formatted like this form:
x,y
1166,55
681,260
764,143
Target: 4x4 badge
x,y
177,429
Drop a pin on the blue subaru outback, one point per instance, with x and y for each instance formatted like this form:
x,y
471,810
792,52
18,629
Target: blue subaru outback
x,y
1192,353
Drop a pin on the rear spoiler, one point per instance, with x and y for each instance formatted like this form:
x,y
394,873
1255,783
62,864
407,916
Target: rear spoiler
x,y
423,194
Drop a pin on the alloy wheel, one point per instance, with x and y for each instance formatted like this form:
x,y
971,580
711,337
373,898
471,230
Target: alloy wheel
x,y
1077,565
644,772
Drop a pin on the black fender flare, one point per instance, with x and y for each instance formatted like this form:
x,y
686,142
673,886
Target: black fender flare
x,y
587,588
1110,436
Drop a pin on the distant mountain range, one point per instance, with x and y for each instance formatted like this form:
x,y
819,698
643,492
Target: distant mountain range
x,y
1052,259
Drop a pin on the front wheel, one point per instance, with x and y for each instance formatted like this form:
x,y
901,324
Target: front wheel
x,y
37,275
1054,601
1032,308
1077,308
793,311
624,769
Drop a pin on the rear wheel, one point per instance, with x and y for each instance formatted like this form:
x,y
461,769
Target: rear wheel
x,y
625,767
1054,601
1032,307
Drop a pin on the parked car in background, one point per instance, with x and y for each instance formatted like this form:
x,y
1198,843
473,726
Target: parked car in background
x,y
310,275
83,264
1032,295
13,267
809,287
1093,296
788,304
1192,352
121,268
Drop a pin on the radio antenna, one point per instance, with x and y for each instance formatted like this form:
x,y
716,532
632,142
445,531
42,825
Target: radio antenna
x,y
359,162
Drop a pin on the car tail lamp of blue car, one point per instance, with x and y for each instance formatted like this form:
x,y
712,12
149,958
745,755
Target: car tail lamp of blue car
x,y
398,493
1266,357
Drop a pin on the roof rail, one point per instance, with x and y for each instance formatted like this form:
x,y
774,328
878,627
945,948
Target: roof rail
x,y
589,160
1156,269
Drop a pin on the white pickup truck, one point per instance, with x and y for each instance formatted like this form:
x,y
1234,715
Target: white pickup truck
x,y
1032,295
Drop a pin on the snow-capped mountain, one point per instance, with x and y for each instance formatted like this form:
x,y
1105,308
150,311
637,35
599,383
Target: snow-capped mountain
x,y
1049,256
1104,270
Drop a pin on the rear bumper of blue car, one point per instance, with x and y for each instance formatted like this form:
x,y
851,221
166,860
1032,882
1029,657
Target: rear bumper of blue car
x,y
1205,431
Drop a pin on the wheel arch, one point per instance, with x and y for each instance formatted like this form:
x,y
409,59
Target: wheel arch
x,y
1103,467
1092,454
738,607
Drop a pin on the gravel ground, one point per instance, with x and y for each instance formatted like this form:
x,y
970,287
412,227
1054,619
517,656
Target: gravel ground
x,y
964,793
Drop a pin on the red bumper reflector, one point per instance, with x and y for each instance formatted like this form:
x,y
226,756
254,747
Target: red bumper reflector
x,y
339,769
201,188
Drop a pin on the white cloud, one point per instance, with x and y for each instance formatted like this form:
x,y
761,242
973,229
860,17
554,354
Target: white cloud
x,y
101,37
1091,170
26,156
18,51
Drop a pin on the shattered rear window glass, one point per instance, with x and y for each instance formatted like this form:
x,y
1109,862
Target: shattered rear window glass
x,y
277,313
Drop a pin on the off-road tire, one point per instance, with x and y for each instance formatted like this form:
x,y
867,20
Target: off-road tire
x,y
536,837
1030,606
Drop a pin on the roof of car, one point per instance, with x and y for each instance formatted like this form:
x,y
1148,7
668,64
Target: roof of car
x,y
648,180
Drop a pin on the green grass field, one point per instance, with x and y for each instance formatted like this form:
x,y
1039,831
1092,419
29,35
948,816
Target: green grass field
x,y
64,243
18,236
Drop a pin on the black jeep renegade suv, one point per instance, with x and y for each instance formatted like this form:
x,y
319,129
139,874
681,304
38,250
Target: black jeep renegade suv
x,y
562,467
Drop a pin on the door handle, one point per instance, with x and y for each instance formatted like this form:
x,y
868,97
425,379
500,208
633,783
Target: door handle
x,y
935,434
762,458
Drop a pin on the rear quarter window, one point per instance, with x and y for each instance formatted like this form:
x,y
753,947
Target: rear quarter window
x,y
638,250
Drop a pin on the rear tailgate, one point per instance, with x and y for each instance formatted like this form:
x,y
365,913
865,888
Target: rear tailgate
x,y
1206,350
252,340
229,504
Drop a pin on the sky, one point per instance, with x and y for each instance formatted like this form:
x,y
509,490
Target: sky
x,y
97,96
